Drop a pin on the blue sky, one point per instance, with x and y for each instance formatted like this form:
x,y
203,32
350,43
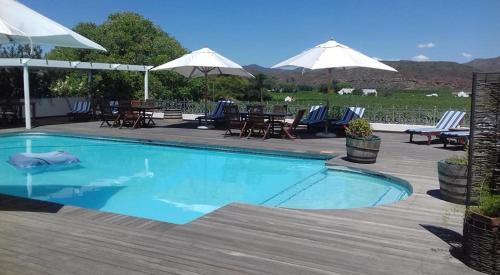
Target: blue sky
x,y
266,32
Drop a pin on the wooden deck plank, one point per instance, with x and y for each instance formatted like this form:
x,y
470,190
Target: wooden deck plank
x,y
408,237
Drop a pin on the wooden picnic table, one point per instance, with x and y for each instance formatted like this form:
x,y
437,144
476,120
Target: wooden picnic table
x,y
271,117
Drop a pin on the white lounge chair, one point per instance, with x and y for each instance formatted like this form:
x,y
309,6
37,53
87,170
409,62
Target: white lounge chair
x,y
449,120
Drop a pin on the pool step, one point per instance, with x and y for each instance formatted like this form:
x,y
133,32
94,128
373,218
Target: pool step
x,y
291,191
391,195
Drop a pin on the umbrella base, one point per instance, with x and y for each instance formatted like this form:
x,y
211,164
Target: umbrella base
x,y
206,127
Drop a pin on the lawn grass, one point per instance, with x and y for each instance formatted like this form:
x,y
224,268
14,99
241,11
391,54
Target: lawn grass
x,y
386,99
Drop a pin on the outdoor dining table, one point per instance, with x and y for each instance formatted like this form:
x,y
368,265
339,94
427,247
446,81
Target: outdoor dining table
x,y
141,110
270,116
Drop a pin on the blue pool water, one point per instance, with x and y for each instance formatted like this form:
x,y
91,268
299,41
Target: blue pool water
x,y
180,184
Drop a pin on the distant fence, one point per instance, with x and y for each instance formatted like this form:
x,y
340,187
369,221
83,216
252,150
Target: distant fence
x,y
376,114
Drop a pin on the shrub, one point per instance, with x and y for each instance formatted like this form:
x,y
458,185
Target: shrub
x,y
458,160
490,205
359,128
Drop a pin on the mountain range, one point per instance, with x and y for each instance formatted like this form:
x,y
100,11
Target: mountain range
x,y
426,75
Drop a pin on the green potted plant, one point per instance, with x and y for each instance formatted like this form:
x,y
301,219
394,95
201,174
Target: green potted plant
x,y
362,146
452,173
481,236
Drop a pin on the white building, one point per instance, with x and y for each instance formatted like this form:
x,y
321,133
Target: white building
x,y
369,92
345,91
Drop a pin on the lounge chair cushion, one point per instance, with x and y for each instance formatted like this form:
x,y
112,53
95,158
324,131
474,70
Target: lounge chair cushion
x,y
425,130
455,134
316,114
81,107
450,119
350,114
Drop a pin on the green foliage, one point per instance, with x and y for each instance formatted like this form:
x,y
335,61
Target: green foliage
x,y
359,128
490,205
11,79
129,39
337,86
458,160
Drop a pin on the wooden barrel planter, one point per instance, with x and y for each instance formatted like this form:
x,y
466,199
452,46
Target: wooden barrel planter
x,y
362,150
481,243
452,181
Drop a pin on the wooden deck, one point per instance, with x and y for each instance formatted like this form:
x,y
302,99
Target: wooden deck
x,y
409,237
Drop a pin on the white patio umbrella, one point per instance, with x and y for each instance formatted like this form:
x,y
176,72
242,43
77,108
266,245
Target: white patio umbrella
x,y
204,62
330,55
22,25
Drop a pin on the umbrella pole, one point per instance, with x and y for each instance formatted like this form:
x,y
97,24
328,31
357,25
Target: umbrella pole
x,y
206,103
328,100
327,122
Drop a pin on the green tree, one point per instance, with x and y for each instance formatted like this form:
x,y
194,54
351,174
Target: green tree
x,y
11,79
129,39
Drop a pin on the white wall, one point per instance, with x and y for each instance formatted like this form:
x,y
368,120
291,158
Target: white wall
x,y
57,106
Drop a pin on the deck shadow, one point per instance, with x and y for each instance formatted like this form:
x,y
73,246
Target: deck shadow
x,y
12,203
435,193
452,238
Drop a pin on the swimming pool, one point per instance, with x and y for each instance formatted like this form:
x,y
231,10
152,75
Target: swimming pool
x,y
178,184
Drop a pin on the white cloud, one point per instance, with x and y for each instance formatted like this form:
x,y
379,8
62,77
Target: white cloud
x,y
466,55
426,45
385,59
421,57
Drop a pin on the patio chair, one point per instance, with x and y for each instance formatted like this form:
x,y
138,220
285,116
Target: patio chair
x,y
81,109
289,129
349,114
256,121
277,118
129,117
317,115
233,119
449,120
109,113
217,114
151,115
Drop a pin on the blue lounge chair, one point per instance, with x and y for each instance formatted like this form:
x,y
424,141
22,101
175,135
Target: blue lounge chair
x,y
80,109
449,120
349,114
217,113
461,137
317,114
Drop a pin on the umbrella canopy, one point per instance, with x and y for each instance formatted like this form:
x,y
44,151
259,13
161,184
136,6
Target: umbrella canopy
x,y
332,54
22,25
203,62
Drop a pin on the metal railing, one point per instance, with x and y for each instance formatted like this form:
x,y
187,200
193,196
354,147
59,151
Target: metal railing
x,y
377,114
